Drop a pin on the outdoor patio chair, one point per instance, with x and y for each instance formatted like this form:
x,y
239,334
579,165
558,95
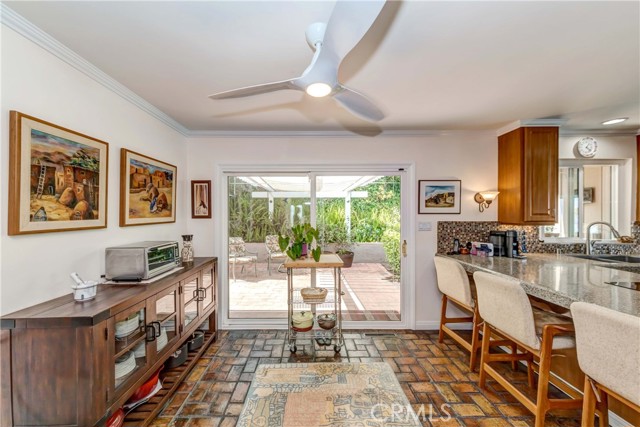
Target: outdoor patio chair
x,y
273,251
238,254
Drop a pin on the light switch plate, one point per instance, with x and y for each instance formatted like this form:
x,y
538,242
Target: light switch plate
x,y
424,226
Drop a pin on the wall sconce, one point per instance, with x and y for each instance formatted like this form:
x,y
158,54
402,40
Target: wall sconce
x,y
484,199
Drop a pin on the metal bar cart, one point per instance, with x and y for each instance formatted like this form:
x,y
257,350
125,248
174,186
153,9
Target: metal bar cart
x,y
333,300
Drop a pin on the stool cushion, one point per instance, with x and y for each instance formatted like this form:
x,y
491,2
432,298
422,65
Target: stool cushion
x,y
453,280
541,318
609,348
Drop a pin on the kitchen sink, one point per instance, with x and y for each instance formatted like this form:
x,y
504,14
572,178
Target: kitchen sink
x,y
620,258
610,258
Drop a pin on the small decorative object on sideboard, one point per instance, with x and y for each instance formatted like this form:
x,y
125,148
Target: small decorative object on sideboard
x,y
187,249
84,290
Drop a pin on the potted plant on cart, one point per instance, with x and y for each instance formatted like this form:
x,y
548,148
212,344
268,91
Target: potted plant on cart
x,y
297,246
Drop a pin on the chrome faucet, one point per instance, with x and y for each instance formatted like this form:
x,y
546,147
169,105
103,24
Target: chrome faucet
x,y
590,243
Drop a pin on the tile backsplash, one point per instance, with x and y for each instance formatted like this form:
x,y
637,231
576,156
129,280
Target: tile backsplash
x,y
478,231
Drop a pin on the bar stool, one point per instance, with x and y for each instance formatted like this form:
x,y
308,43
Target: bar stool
x,y
505,308
453,282
608,344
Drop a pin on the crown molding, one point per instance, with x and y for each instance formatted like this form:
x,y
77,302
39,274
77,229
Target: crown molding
x,y
363,133
25,28
530,123
599,132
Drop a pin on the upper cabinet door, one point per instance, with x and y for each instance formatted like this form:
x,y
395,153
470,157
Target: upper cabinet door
x,y
541,174
208,293
528,176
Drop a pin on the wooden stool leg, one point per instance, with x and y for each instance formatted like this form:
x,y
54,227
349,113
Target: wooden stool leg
x,y
486,339
514,350
603,407
443,316
475,339
588,405
542,402
530,378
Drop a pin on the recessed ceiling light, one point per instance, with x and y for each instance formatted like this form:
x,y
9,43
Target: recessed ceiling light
x,y
614,121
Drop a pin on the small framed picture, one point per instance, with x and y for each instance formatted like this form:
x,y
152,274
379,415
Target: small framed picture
x,y
200,199
439,196
588,194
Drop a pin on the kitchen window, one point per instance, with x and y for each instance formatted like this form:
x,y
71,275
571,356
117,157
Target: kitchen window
x,y
591,191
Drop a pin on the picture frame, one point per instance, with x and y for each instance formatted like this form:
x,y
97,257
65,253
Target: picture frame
x,y
200,199
57,178
147,190
588,194
438,196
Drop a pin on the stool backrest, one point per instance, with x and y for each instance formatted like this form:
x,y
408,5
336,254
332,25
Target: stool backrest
x,y
504,304
453,280
608,345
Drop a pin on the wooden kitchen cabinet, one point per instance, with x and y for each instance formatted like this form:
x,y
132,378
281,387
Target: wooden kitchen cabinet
x,y
528,176
58,357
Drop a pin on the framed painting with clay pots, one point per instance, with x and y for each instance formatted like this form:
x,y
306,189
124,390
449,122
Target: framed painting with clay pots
x,y
147,190
57,178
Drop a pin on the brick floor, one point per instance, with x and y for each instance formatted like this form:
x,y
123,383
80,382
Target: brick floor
x,y
432,375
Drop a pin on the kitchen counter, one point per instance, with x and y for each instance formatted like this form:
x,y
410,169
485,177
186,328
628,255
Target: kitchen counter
x,y
561,279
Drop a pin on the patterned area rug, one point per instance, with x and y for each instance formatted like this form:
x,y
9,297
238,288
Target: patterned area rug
x,y
326,394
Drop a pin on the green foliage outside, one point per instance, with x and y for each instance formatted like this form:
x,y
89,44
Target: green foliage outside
x,y
375,218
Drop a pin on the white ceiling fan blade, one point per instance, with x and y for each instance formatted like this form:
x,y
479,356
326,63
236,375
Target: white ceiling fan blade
x,y
358,104
349,22
256,90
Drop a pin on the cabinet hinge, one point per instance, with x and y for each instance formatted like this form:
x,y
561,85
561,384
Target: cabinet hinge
x,y
106,395
181,328
106,334
179,289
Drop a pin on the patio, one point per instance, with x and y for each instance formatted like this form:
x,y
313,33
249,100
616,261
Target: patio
x,y
370,293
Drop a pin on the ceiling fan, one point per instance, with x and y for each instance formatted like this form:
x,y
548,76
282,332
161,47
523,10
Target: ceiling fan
x,y
349,22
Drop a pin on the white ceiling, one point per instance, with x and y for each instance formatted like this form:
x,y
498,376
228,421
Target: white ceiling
x,y
428,65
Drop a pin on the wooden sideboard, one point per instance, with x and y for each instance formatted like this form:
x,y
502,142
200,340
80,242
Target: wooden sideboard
x,y
58,358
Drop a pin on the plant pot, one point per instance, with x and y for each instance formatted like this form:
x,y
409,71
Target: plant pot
x,y
347,259
305,248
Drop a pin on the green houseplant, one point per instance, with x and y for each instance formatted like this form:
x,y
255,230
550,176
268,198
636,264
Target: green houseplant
x,y
297,246
336,235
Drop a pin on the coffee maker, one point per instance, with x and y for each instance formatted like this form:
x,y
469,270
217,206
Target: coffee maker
x,y
505,243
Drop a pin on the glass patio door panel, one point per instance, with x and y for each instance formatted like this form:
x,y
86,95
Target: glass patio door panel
x,y
358,217
259,208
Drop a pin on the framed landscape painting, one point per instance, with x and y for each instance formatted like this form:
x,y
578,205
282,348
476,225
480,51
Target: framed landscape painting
x,y
57,178
439,197
147,190
200,199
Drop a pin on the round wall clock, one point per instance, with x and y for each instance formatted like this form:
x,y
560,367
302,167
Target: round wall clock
x,y
587,147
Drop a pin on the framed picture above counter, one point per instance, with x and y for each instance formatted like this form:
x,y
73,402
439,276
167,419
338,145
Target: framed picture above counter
x,y
57,178
147,190
439,196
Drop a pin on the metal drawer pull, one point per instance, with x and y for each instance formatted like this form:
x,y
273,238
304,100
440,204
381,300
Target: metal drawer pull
x,y
156,327
151,336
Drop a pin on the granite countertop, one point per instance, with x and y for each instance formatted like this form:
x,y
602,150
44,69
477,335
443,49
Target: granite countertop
x,y
561,279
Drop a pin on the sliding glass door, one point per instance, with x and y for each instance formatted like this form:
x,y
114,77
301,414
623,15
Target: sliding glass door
x,y
358,216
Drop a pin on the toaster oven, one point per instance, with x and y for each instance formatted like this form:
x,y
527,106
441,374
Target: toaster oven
x,y
141,261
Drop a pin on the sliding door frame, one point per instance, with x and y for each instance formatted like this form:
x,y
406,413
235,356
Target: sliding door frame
x,y
408,208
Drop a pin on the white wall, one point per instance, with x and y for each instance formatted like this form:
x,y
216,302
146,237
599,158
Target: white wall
x,y
36,267
470,157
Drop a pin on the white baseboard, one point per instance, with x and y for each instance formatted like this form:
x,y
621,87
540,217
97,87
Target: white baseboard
x,y
434,325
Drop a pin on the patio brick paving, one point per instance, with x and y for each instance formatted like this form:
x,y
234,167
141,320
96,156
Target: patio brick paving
x,y
370,293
